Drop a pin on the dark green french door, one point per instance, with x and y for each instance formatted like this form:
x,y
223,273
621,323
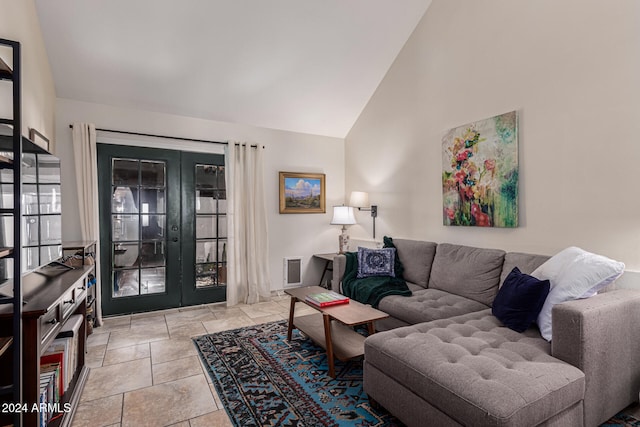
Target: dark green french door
x,y
163,228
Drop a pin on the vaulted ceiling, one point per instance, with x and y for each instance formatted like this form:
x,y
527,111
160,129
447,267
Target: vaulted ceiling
x,y
301,65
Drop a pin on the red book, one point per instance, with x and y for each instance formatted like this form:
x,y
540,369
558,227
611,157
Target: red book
x,y
326,299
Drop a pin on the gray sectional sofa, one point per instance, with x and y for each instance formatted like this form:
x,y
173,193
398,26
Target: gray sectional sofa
x,y
442,358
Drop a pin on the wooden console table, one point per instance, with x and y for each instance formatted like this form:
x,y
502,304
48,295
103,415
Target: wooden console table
x,y
337,338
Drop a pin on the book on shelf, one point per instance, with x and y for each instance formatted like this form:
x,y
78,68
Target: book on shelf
x,y
50,393
50,374
326,299
68,337
51,359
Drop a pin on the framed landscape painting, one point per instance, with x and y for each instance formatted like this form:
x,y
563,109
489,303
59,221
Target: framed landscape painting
x,y
480,173
302,193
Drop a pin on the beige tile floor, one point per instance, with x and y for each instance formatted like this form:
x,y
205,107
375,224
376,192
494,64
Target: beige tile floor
x,y
145,370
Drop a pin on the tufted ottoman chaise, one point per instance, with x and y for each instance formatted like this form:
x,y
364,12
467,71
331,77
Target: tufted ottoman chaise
x,y
474,369
442,358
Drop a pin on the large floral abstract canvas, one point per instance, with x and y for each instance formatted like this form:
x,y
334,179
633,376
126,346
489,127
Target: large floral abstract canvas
x,y
480,173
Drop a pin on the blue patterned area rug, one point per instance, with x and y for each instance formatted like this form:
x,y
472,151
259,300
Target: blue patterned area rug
x,y
622,420
265,380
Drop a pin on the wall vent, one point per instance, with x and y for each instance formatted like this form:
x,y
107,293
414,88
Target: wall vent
x,y
292,271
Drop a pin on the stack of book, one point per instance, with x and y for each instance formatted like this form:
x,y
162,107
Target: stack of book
x,y
326,299
58,364
50,375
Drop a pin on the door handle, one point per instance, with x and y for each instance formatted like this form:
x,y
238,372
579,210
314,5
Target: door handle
x,y
175,239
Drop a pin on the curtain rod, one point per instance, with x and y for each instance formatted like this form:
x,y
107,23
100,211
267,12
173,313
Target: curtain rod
x,y
164,136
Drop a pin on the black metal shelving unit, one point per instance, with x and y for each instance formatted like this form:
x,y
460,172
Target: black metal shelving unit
x,y
11,75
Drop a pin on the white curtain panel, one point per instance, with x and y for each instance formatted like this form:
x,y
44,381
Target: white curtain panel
x,y
247,255
86,164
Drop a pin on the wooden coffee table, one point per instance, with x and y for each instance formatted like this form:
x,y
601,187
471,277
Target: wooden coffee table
x,y
337,338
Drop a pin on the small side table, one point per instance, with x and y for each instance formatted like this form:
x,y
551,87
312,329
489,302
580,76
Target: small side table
x,y
328,265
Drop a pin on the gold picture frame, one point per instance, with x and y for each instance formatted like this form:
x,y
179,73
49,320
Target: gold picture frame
x,y
302,193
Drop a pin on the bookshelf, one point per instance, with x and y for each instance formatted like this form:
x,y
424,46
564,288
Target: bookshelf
x,y
11,348
51,299
85,249
5,343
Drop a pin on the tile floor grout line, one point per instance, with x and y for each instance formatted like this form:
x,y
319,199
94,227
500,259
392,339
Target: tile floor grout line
x,y
223,318
122,410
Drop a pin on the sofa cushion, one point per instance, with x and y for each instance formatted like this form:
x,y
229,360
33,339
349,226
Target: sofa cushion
x,y
526,263
470,272
376,262
477,371
520,300
428,304
416,257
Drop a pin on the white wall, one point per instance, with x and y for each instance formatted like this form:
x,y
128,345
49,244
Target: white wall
x,y
571,69
289,235
19,22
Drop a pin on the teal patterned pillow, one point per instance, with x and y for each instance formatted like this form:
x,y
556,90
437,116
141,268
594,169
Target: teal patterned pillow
x,y
376,262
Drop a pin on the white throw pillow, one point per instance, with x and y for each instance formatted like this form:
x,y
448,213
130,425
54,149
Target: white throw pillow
x,y
573,273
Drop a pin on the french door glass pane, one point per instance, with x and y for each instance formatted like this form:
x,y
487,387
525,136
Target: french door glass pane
x,y
125,283
124,227
222,226
222,202
152,200
125,255
153,254
205,202
221,181
205,226
222,250
122,201
152,173
152,226
152,280
125,172
206,176
211,226
205,251
138,220
206,275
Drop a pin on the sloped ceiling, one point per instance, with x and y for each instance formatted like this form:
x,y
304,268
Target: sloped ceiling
x,y
300,65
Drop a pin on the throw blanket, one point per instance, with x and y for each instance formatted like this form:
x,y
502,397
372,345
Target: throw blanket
x,y
370,290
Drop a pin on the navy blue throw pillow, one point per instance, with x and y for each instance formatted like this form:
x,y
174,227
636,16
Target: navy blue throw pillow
x,y
520,300
376,262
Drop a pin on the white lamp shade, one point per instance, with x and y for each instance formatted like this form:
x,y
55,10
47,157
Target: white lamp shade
x,y
359,199
343,215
